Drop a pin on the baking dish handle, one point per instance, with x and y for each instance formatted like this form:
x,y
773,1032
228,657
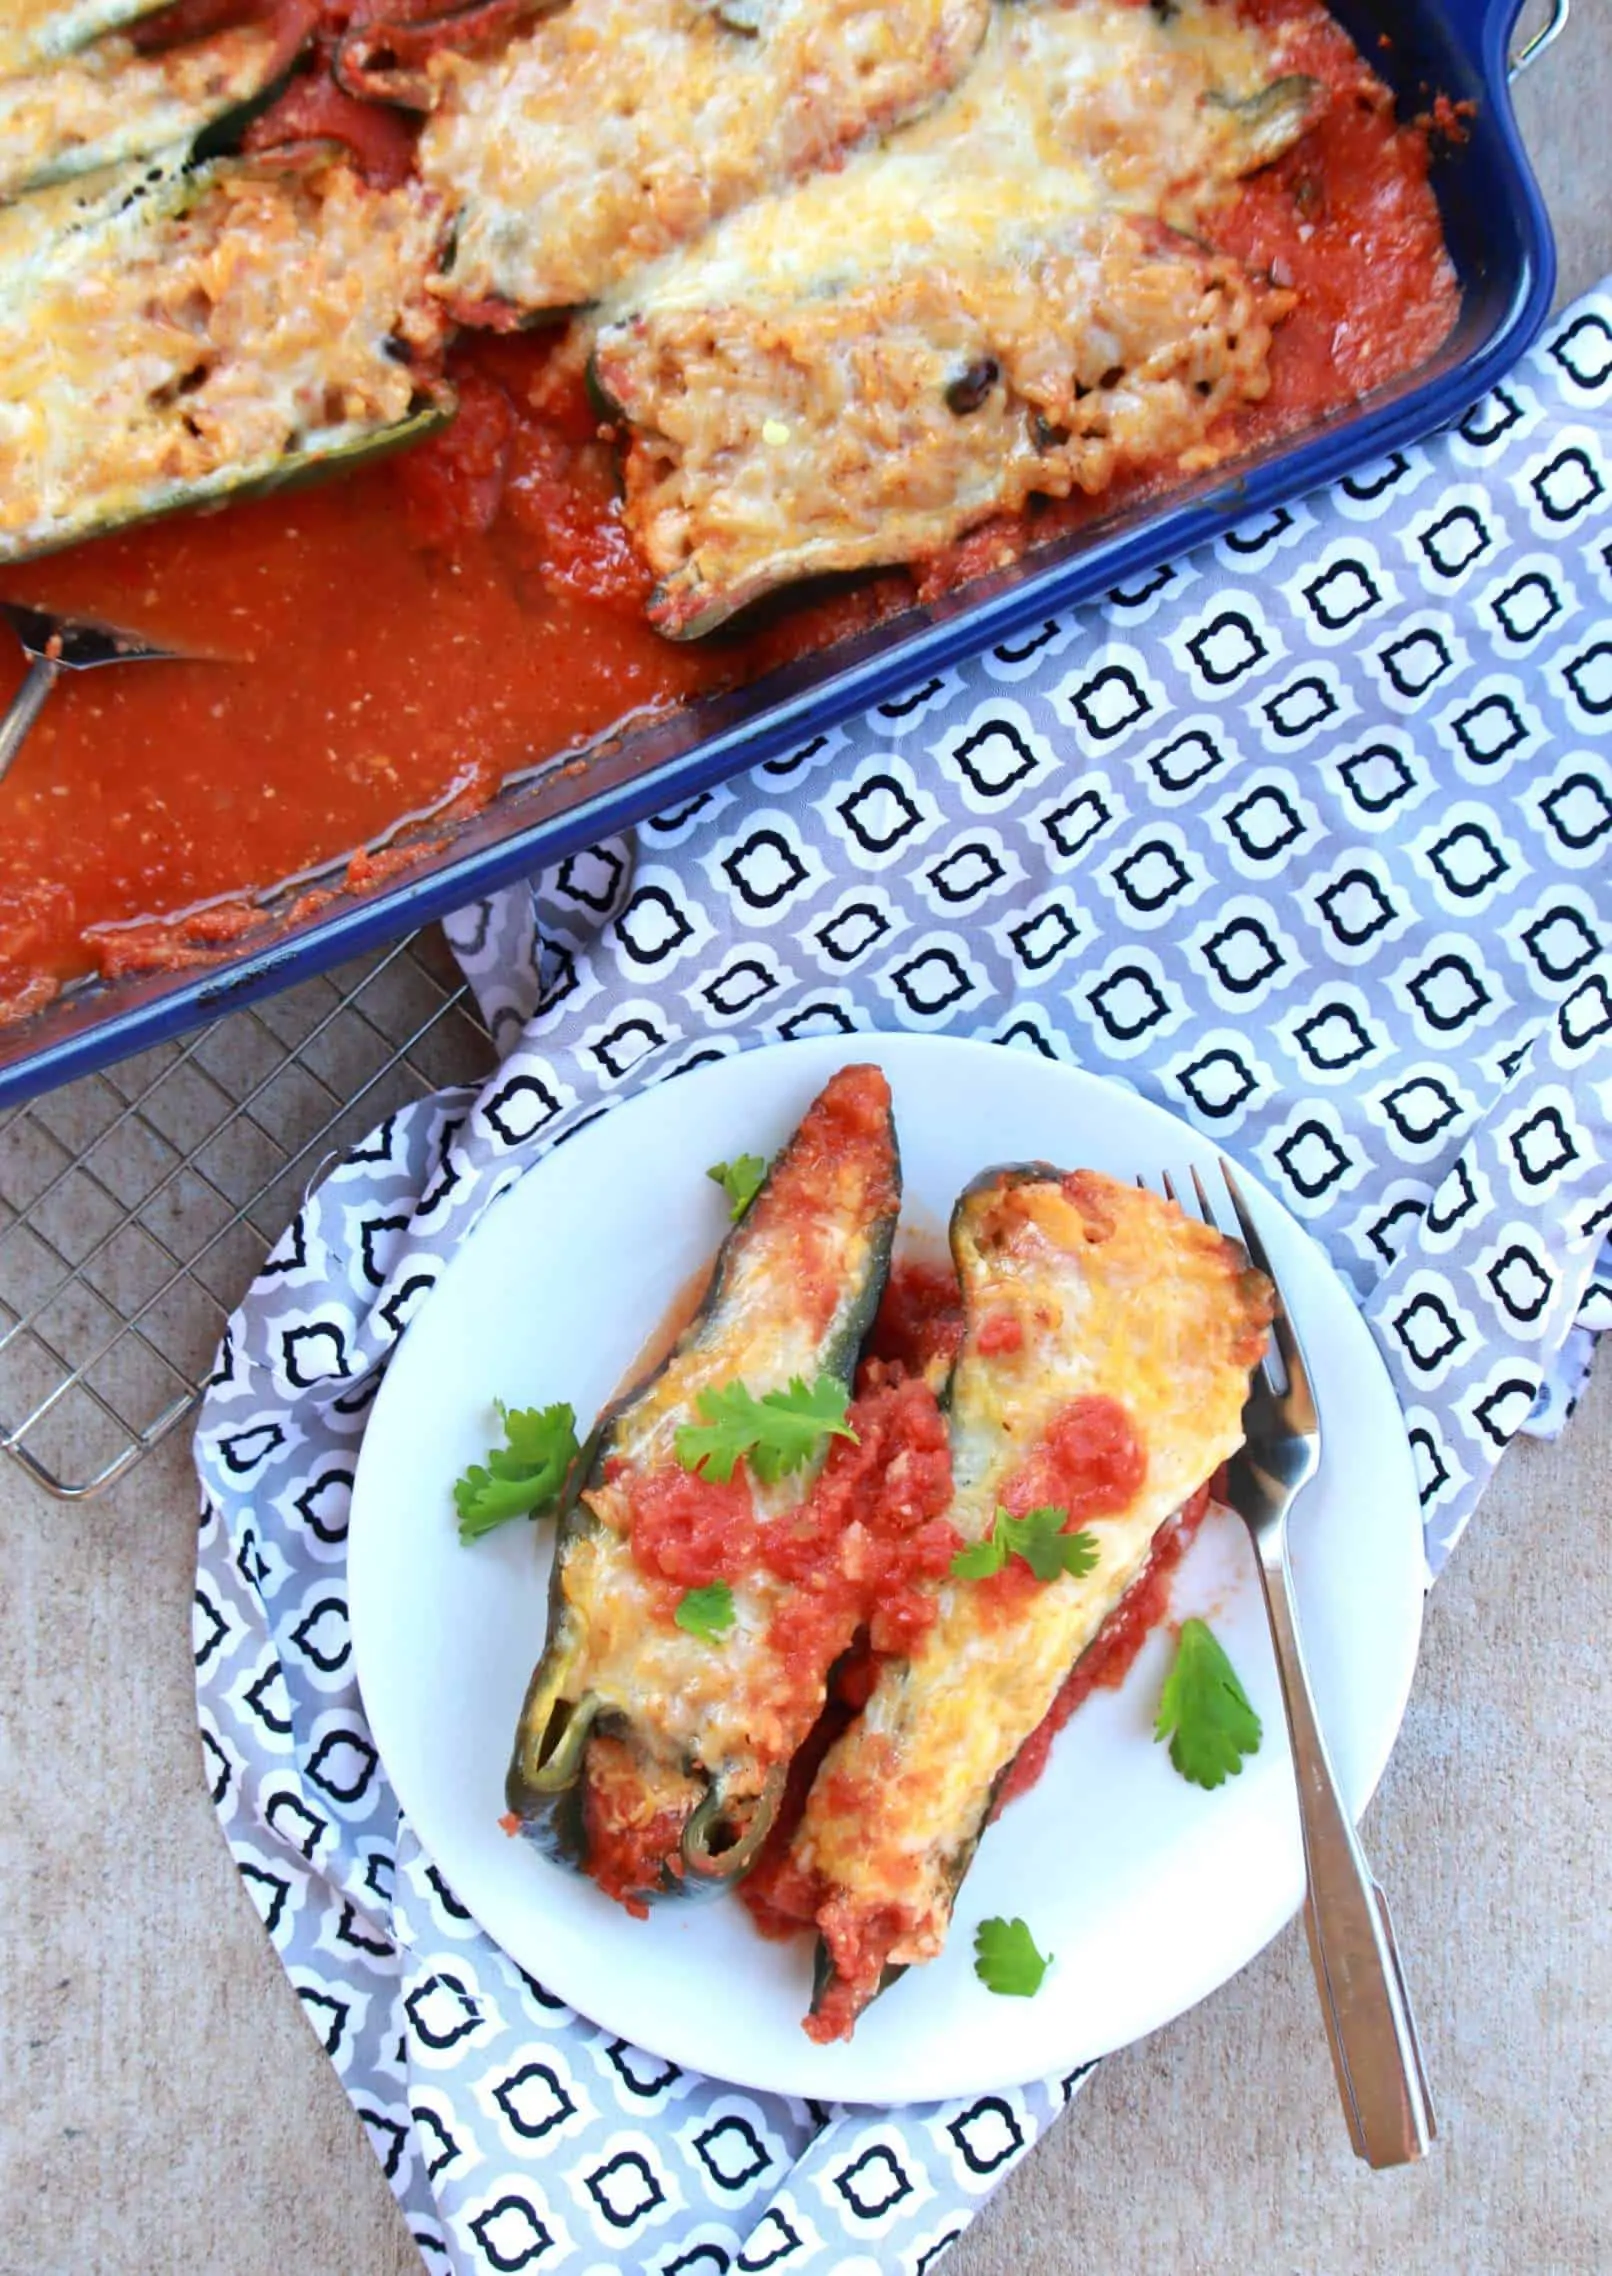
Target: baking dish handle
x,y
1535,47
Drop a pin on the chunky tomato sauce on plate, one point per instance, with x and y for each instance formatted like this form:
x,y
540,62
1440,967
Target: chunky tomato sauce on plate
x,y
381,653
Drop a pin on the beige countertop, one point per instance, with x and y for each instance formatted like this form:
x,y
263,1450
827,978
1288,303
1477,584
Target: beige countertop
x,y
163,2106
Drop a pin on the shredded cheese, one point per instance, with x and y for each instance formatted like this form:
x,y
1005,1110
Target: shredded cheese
x,y
615,130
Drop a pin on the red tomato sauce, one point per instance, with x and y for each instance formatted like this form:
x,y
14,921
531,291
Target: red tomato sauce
x,y
627,1845
1089,1461
1000,1333
385,650
919,1325
856,1549
1089,1458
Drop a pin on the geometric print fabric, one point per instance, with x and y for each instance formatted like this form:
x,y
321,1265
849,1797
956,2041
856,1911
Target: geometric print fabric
x,y
1305,836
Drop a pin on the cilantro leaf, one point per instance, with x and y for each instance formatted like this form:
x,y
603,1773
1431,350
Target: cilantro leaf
x,y
1038,1537
741,1180
982,1558
521,1478
1006,1959
706,1612
1204,1711
776,1434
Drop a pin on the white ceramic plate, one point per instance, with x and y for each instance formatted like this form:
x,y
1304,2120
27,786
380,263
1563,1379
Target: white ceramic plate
x,y
1148,1891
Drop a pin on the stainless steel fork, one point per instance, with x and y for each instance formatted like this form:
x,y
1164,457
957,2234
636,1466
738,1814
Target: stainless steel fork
x,y
1369,2023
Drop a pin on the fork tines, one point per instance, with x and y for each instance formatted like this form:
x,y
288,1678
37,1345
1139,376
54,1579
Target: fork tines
x,y
1295,1382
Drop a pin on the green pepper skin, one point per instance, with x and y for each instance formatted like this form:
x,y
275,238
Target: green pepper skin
x,y
546,1787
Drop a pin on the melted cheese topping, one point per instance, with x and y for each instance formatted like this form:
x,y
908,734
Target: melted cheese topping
x,y
112,103
32,31
1163,110
872,424
730,1712
858,369
617,129
190,334
1118,1295
759,1326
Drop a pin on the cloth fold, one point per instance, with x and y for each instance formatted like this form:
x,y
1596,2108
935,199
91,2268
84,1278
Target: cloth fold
x,y
1306,837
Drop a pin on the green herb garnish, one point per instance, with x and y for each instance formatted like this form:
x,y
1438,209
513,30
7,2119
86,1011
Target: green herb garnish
x,y
706,1612
741,1180
1006,1959
775,1434
521,1478
1038,1537
1204,1711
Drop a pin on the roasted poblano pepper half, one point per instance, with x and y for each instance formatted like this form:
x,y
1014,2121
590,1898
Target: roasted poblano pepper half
x,y
647,1756
171,336
113,101
1103,1370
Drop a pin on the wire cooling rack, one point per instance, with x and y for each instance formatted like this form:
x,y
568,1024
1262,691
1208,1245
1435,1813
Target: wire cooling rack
x,y
136,1204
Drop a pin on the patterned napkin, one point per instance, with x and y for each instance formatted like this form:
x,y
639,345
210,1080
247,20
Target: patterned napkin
x,y
1307,837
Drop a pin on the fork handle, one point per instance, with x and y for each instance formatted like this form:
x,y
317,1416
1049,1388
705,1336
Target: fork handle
x,y
25,708
1370,2027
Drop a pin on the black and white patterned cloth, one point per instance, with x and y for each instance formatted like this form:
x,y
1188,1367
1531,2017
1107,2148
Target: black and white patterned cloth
x,y
1308,837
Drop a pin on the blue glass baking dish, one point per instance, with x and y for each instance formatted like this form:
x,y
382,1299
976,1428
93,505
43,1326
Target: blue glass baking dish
x,y
1499,241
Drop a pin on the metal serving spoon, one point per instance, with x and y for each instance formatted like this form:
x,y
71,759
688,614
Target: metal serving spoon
x,y
57,644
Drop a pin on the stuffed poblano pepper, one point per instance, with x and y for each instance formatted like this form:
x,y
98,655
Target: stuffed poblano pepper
x,y
1107,1345
697,1601
171,336
113,100
1006,299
